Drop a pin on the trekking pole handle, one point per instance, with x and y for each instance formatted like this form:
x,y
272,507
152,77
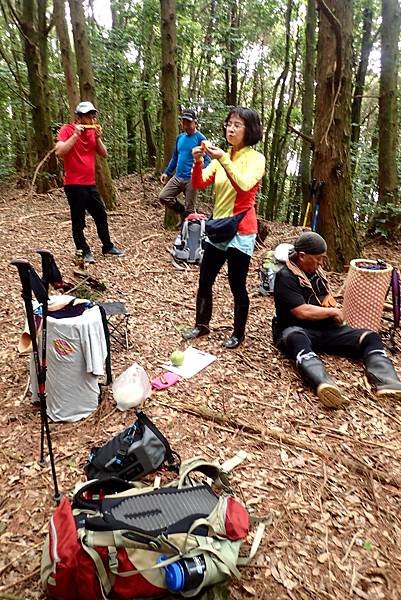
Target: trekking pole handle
x,y
24,267
50,271
46,257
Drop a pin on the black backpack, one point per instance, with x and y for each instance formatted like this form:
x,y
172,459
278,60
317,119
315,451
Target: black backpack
x,y
132,454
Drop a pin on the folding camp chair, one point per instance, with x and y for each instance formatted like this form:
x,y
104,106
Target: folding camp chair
x,y
117,318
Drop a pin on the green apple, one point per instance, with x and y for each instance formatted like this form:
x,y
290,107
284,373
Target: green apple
x,y
177,358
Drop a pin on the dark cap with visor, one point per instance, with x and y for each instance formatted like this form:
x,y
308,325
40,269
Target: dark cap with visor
x,y
310,243
188,115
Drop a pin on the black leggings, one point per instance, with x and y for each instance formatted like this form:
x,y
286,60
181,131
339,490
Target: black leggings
x,y
238,266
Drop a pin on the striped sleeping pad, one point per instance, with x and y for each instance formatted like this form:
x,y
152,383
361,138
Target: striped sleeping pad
x,y
166,510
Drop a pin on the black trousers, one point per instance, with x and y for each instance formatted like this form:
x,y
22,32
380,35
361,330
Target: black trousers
x,y
82,198
238,266
341,340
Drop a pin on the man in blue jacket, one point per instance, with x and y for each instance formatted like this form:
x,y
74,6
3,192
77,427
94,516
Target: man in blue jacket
x,y
181,162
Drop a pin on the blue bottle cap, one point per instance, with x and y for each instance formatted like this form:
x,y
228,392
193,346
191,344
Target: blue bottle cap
x,y
175,578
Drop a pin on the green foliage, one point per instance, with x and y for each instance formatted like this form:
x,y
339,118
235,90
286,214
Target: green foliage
x,y
126,62
387,221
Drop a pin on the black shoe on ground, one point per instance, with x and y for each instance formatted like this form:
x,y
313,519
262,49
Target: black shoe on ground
x,y
233,342
114,252
195,332
88,258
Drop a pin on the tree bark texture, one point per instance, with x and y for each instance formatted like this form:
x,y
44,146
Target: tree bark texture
x,y
333,210
388,122
275,150
36,61
232,51
169,76
366,48
169,87
145,99
308,94
67,61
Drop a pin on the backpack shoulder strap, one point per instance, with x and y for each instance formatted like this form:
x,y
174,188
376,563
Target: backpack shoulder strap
x,y
184,230
83,496
109,376
202,228
218,473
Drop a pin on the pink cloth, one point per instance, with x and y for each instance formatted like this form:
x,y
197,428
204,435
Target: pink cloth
x,y
165,381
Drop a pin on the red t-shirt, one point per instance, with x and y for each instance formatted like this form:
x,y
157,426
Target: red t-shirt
x,y
79,162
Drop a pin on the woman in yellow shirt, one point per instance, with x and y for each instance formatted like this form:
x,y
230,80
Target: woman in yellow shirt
x,y
236,175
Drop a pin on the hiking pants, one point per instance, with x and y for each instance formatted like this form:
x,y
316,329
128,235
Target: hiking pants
x,y
83,198
238,265
173,188
342,340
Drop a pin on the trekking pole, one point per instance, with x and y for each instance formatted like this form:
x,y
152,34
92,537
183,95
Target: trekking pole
x,y
30,281
50,275
312,191
318,193
50,272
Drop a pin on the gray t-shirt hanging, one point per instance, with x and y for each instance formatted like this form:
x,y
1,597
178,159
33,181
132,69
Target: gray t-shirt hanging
x,y
76,354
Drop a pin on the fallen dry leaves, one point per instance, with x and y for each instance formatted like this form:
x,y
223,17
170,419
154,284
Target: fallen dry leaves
x,y
328,483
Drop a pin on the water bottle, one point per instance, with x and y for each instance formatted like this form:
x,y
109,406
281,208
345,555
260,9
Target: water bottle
x,y
184,574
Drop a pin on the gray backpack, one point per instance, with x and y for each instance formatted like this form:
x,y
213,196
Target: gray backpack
x,y
271,264
188,246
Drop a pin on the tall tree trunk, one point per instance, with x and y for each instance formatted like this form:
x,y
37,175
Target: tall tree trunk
x,y
274,166
266,212
307,102
145,94
231,66
35,40
67,61
169,87
204,75
331,161
388,203
366,48
88,92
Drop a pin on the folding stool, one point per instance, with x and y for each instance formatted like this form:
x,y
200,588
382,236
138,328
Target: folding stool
x,y
117,318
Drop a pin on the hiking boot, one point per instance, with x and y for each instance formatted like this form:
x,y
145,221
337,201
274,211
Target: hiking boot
x,y
88,258
382,374
113,252
312,369
195,332
330,395
233,342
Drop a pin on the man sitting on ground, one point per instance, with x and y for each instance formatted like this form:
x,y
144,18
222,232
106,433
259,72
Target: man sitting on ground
x,y
308,321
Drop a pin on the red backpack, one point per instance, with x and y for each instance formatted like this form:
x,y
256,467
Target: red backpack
x,y
116,539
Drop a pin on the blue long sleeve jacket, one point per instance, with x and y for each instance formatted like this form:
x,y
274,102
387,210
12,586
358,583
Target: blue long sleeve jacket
x,y
182,160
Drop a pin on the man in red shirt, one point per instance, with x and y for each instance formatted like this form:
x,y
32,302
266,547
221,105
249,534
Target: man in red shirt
x,y
77,144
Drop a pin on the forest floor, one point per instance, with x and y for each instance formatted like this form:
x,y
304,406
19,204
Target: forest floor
x,y
328,482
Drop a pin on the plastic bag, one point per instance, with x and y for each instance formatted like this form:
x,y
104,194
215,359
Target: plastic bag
x,y
131,388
